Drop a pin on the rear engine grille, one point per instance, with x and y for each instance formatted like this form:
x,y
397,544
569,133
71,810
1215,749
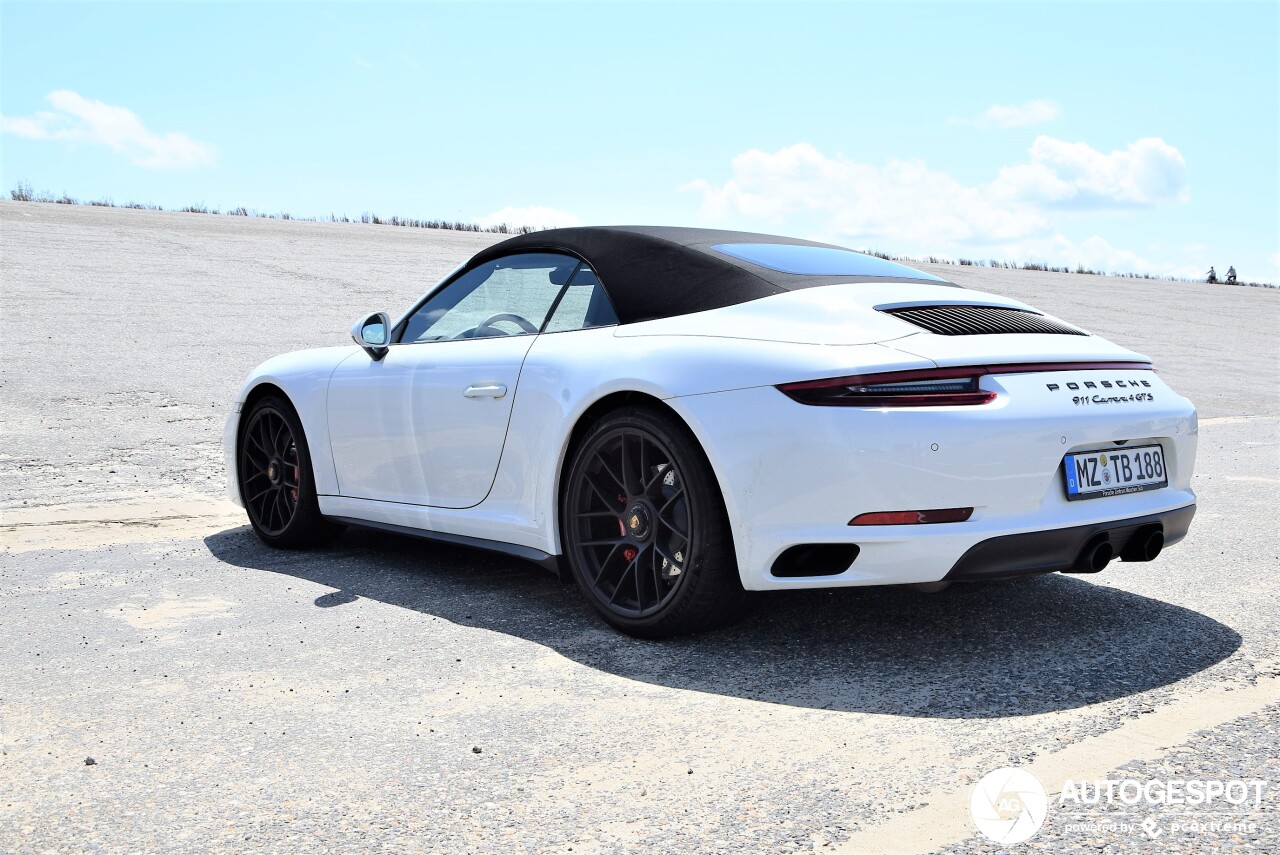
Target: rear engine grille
x,y
980,320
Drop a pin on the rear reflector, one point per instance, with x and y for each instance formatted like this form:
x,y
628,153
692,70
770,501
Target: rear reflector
x,y
943,515
928,387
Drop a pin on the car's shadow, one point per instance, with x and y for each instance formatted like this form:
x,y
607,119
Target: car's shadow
x,y
972,651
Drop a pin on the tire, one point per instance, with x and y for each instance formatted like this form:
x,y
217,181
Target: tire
x,y
645,530
277,485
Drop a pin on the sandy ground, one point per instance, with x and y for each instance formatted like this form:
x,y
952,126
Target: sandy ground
x,y
391,694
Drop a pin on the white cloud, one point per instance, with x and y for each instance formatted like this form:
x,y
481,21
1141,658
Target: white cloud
x,y
1148,172
537,216
900,202
1014,115
77,119
907,207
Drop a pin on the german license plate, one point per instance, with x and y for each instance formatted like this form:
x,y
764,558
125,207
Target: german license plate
x,y
1095,474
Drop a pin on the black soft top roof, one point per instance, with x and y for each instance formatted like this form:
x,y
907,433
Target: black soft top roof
x,y
661,271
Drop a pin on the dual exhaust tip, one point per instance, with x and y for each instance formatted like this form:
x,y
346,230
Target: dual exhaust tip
x,y
1144,545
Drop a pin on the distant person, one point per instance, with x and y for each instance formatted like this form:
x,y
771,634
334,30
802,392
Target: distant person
x,y
1231,275
1213,277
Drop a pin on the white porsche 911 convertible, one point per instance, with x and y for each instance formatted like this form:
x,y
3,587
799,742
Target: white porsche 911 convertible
x,y
677,416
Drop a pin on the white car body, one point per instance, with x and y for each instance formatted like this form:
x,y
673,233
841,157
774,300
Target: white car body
x,y
401,443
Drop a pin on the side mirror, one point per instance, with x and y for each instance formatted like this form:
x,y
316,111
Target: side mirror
x,y
373,334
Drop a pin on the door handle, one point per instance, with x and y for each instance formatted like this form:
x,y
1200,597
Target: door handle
x,y
486,390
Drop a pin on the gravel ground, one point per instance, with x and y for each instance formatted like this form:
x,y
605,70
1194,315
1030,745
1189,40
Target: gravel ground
x,y
396,695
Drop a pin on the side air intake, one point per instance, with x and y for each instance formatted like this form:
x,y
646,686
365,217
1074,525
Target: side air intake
x,y
980,320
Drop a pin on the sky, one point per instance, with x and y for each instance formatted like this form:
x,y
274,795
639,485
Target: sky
x,y
1127,137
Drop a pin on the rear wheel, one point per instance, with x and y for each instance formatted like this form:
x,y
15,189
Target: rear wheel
x,y
645,529
276,482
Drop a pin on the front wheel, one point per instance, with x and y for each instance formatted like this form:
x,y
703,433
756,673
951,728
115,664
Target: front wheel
x,y
645,529
276,482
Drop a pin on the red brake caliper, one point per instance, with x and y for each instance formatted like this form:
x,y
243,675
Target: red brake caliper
x,y
629,552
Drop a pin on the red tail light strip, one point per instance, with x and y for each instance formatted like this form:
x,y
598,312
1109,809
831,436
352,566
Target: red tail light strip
x,y
820,392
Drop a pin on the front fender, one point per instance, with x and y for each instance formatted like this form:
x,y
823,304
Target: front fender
x,y
303,378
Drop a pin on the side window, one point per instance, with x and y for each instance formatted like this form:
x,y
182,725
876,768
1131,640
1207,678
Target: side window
x,y
509,296
584,305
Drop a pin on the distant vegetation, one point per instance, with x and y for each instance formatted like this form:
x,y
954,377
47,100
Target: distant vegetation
x,y
22,192
1047,268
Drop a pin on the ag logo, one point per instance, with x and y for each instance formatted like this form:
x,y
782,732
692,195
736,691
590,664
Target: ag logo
x,y
1008,805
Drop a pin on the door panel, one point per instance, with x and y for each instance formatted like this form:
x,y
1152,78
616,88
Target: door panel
x,y
426,424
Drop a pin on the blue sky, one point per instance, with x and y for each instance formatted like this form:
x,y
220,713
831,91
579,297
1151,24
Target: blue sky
x,y
1123,136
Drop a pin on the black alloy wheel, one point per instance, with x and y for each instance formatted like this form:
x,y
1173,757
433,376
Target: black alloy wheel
x,y
276,483
645,529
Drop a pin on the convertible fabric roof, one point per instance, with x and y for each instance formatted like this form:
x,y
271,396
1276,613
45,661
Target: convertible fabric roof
x,y
654,272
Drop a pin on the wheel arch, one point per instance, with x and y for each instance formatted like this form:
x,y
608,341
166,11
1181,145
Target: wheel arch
x,y
303,524
592,414
256,394
262,390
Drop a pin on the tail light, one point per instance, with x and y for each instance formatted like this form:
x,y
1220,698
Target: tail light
x,y
933,387
927,387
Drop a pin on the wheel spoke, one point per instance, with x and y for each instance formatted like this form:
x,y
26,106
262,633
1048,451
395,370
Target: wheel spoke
x,y
618,588
252,462
613,541
657,581
605,563
266,453
624,465
265,508
279,431
279,507
657,476
260,493
644,467
608,502
259,474
604,467
674,529
677,494
666,553
636,574
269,503
265,435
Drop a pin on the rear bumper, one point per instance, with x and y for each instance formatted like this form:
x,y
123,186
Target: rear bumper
x,y
794,475
1056,550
